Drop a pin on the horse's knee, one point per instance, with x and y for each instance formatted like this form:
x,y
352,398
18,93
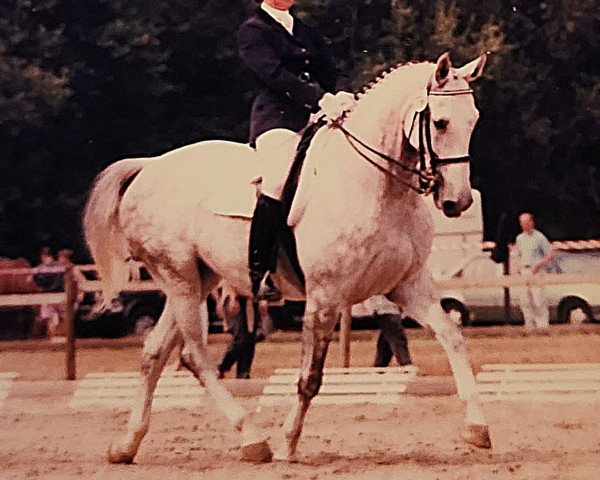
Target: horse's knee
x,y
187,359
309,388
185,362
149,360
449,334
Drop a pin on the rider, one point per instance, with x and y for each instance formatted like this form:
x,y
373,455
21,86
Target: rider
x,y
297,77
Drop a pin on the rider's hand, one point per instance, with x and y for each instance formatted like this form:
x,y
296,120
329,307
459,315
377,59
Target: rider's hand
x,y
334,106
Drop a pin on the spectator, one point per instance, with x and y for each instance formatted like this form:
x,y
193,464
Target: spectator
x,y
265,323
50,278
64,257
65,260
240,316
535,254
392,338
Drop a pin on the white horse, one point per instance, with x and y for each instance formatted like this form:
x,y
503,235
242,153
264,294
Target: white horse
x,y
362,229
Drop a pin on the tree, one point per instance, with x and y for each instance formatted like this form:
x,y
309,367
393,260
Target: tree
x,y
86,82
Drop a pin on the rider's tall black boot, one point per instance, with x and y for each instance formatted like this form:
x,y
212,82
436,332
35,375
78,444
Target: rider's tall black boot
x,y
268,220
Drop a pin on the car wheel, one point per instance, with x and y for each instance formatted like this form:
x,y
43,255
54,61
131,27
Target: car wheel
x,y
457,311
574,310
141,321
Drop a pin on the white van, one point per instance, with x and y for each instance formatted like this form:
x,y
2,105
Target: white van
x,y
456,241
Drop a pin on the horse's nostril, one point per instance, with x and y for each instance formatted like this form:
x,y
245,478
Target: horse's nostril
x,y
449,205
450,208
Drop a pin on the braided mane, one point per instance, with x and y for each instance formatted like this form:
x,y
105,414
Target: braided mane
x,y
382,76
377,95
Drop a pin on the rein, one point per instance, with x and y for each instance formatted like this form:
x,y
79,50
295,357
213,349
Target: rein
x,y
427,177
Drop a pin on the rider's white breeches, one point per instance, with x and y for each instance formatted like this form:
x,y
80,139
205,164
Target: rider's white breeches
x,y
275,150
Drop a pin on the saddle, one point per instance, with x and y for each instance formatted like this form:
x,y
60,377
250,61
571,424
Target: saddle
x,y
237,196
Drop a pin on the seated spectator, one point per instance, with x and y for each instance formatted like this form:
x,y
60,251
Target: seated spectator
x,y
50,278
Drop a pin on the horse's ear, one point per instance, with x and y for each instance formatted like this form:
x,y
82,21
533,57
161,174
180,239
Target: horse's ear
x,y
473,70
443,69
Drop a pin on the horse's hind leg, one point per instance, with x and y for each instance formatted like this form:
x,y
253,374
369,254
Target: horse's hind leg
x,y
157,348
317,331
426,310
196,358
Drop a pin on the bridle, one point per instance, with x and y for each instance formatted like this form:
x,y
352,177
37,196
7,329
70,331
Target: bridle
x,y
428,178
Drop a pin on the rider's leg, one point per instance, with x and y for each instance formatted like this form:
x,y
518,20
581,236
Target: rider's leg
x,y
268,219
275,149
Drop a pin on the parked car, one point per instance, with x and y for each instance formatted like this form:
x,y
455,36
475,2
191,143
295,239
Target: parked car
x,y
567,303
133,313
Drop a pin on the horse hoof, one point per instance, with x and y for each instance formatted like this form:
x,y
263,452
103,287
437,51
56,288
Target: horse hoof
x,y
282,455
259,452
118,456
477,435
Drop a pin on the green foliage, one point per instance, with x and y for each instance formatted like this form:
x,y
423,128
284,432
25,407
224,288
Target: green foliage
x,y
32,86
85,82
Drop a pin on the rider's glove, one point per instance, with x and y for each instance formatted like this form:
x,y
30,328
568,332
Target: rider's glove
x,y
334,106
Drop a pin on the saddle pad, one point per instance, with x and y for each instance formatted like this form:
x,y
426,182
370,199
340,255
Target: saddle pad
x,y
233,190
232,186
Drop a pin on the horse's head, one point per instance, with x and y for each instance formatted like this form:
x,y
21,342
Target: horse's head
x,y
442,130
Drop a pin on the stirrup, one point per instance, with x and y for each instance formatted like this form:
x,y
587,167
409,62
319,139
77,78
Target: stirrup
x,y
267,290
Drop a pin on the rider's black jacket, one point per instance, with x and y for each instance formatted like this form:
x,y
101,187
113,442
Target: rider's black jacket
x,y
293,71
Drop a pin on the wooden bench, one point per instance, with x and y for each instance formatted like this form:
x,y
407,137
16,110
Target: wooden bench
x,y
118,390
541,382
342,385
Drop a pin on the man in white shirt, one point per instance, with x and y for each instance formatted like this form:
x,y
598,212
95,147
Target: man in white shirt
x,y
535,255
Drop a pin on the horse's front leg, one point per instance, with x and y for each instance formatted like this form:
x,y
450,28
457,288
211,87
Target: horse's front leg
x,y
157,348
418,300
476,430
317,331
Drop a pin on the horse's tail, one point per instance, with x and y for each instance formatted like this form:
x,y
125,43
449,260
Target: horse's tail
x,y
103,233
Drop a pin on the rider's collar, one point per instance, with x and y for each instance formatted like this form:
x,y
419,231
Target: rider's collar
x,y
283,17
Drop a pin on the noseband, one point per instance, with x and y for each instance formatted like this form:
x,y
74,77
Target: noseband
x,y
428,178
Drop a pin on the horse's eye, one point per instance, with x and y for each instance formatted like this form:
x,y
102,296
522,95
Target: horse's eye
x,y
441,124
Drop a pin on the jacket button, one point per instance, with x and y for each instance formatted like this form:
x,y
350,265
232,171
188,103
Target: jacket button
x,y
306,62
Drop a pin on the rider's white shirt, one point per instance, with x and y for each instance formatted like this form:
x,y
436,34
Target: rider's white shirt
x,y
282,17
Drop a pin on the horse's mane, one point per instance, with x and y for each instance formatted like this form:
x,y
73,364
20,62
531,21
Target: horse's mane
x,y
410,71
373,83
